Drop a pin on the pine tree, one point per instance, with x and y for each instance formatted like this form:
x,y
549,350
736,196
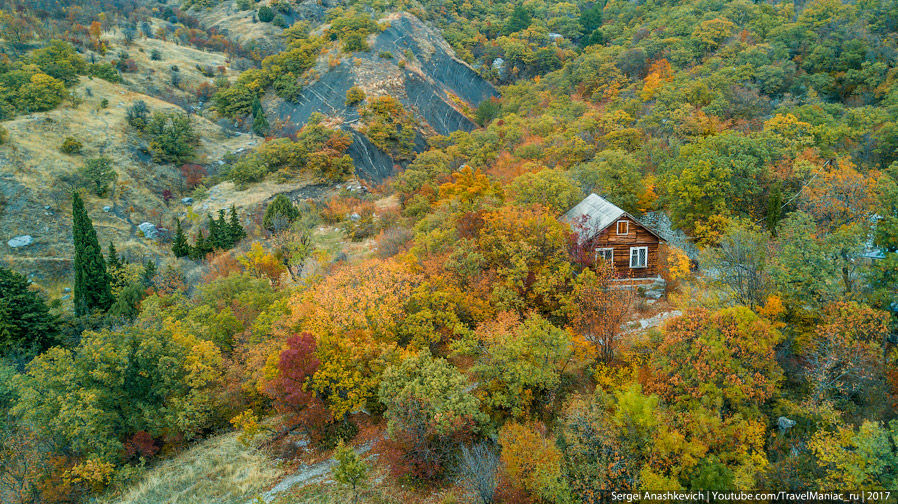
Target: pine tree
x,y
149,269
200,247
179,246
112,259
214,234
92,290
221,238
236,230
25,320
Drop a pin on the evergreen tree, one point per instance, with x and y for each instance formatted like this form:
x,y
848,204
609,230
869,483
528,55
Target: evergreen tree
x,y
200,247
112,259
149,268
25,320
260,122
234,227
214,234
179,246
92,290
221,236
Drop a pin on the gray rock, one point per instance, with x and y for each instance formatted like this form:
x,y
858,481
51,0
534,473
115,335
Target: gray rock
x,y
20,241
65,297
187,201
355,217
653,294
149,230
66,290
46,207
107,208
784,424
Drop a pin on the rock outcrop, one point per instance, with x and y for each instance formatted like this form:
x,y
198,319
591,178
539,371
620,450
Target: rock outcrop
x,y
432,83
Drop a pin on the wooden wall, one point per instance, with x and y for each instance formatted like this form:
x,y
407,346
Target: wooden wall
x,y
637,236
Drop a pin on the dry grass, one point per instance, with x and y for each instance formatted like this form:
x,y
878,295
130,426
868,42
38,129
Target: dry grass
x,y
31,163
239,24
219,470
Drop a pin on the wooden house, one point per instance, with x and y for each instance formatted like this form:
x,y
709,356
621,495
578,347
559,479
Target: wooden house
x,y
616,237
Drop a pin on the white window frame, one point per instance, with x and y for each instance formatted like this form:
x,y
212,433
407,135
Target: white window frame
x,y
617,227
600,253
645,257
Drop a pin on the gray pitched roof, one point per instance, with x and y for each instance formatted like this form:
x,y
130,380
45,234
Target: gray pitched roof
x,y
600,214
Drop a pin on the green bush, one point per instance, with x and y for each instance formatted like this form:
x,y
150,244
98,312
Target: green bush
x,y
266,15
354,95
71,146
248,170
334,432
105,71
172,138
137,115
279,213
97,174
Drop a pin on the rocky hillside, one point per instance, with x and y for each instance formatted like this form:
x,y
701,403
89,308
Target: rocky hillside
x,y
423,74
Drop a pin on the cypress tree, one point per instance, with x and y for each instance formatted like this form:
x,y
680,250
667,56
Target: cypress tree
x,y
92,290
260,125
260,122
179,246
236,230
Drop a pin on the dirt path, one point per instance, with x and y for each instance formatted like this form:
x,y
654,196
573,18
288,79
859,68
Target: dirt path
x,y
307,474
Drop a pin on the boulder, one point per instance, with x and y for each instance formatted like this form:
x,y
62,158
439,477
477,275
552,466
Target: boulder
x,y
355,217
187,201
20,241
149,230
107,208
784,424
653,293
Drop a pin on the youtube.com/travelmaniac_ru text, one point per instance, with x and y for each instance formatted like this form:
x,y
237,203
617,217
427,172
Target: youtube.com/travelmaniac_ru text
x,y
878,496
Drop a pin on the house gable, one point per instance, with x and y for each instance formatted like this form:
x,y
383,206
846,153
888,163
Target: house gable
x,y
616,235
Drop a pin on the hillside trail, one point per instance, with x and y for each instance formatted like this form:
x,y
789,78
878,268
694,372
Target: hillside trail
x,y
307,474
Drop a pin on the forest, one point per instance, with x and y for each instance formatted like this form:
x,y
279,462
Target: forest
x,y
444,336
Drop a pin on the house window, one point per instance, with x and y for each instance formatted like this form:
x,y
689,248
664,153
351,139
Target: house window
x,y
639,257
623,227
606,254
